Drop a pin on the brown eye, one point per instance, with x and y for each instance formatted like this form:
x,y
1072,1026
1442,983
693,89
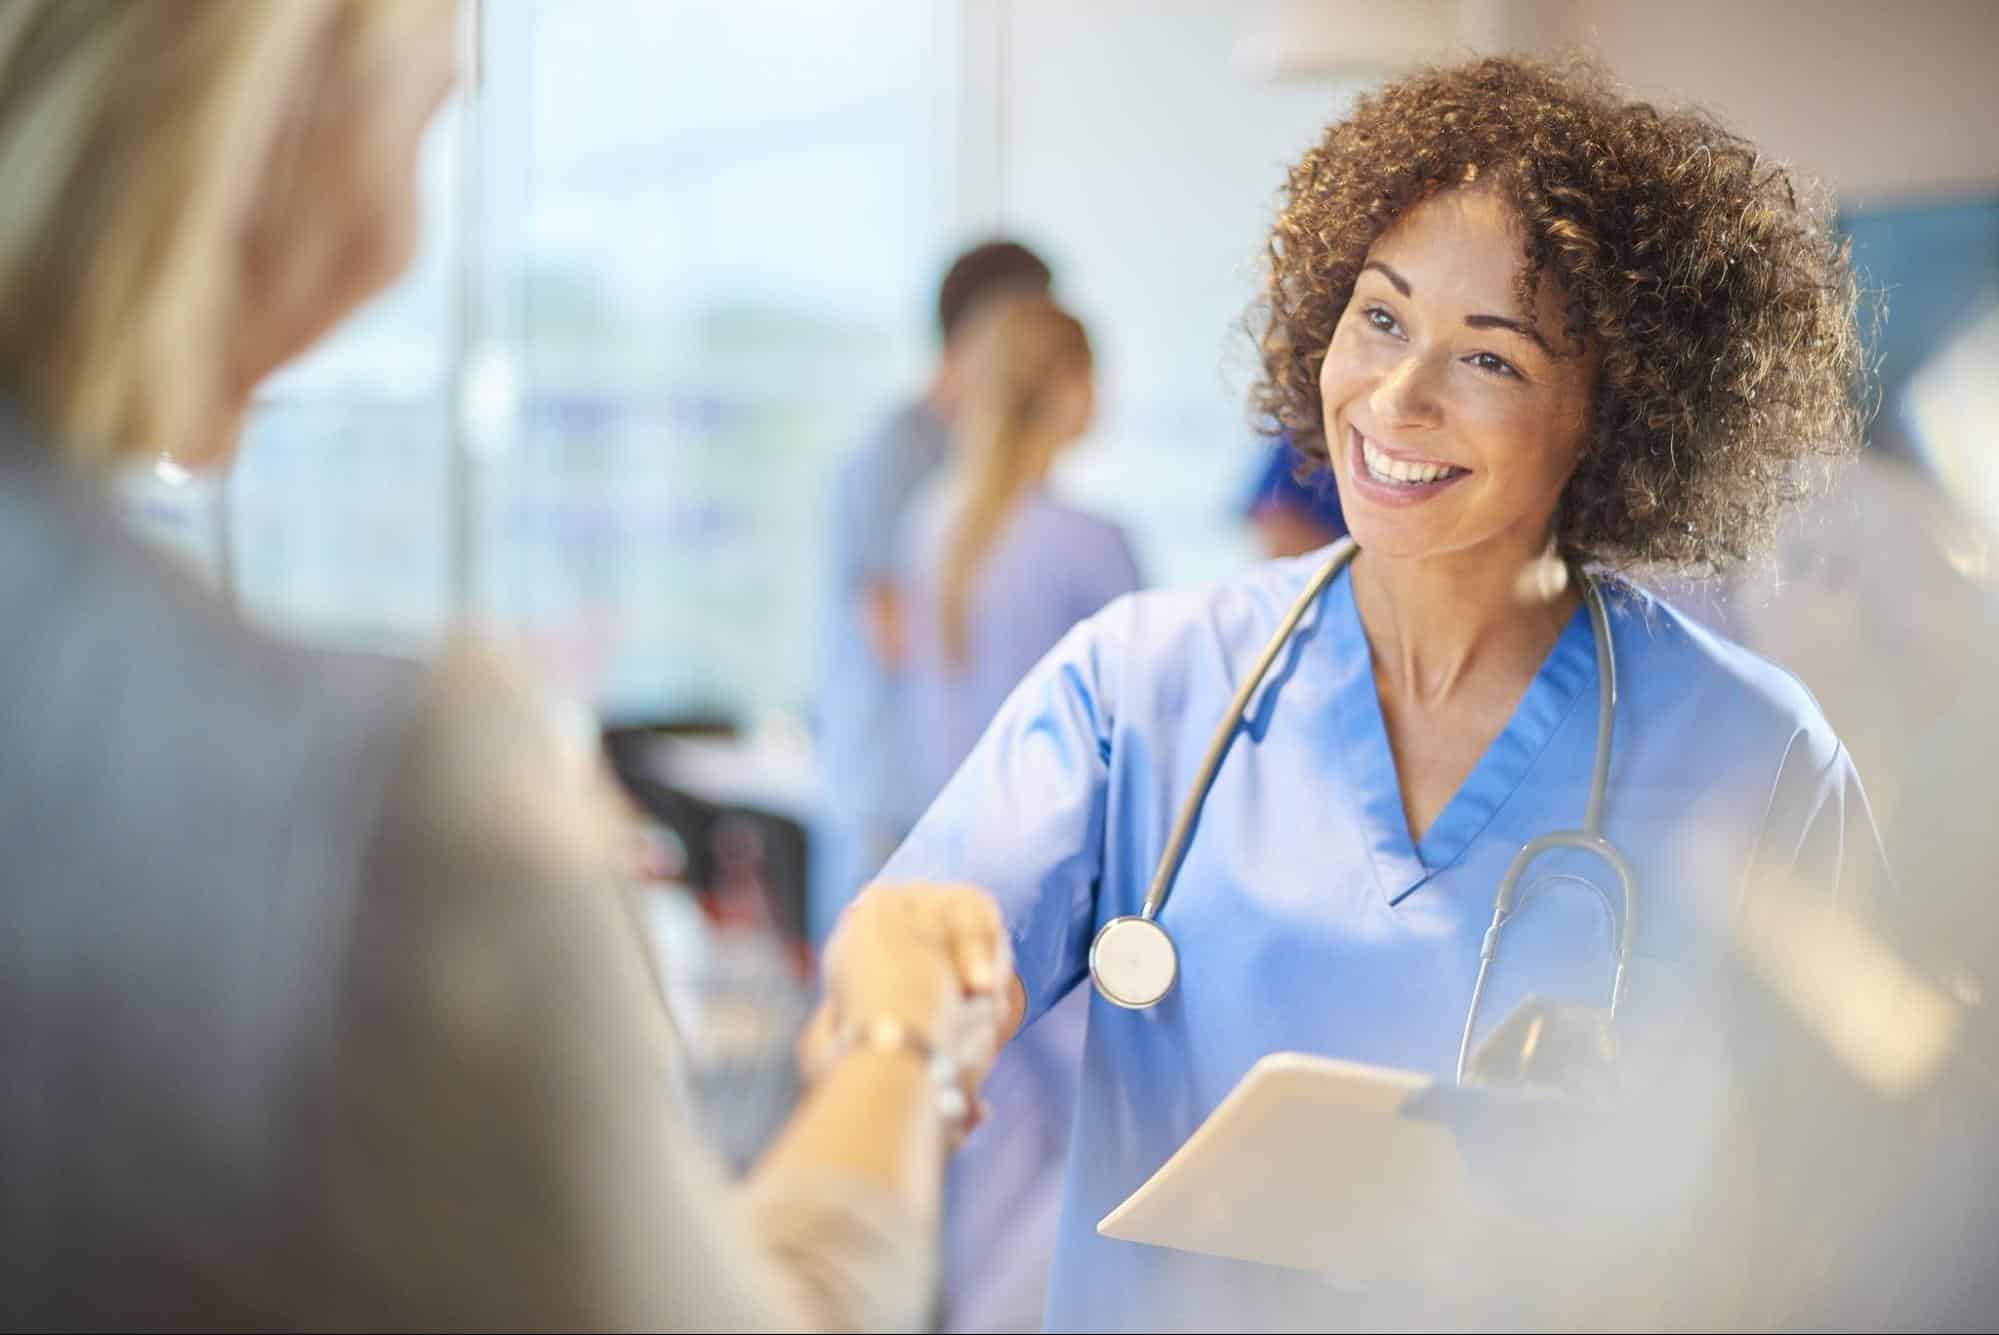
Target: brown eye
x,y
1381,320
1486,361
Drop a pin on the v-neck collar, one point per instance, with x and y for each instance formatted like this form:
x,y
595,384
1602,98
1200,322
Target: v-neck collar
x,y
1402,866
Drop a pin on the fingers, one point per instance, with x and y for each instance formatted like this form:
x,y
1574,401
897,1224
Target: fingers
x,y
962,919
1015,1008
977,939
978,1111
935,955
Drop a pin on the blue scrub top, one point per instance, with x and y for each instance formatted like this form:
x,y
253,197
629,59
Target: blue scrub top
x,y
1305,917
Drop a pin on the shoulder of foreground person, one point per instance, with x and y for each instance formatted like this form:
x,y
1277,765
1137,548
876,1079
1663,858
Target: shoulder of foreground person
x,y
329,1009
512,1142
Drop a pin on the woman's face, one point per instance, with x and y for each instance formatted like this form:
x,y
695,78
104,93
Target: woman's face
x,y
342,216
1453,417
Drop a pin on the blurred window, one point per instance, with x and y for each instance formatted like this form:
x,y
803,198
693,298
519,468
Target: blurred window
x,y
677,255
712,230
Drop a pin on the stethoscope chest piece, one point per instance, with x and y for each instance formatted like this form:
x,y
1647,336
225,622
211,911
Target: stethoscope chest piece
x,y
1133,962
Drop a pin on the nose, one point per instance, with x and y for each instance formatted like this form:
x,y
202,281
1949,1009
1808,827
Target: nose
x,y
1406,395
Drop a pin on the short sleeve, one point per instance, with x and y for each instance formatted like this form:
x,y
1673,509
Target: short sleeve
x,y
1819,831
1024,815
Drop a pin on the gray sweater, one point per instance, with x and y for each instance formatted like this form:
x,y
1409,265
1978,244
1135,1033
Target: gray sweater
x,y
320,1004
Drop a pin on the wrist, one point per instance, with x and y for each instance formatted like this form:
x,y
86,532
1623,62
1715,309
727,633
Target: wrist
x,y
891,1039
862,1009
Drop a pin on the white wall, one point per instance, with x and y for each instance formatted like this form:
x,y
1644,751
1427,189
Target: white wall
x,y
1888,102
1129,146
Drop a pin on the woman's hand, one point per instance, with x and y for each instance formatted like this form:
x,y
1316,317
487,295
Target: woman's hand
x,y
934,958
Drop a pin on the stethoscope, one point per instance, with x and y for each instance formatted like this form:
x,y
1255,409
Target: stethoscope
x,y
1133,961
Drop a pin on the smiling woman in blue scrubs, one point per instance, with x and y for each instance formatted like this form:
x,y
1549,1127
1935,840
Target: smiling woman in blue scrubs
x,y
1535,331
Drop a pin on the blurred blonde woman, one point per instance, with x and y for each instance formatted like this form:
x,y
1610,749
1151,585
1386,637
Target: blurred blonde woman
x,y
996,564
996,569
322,1006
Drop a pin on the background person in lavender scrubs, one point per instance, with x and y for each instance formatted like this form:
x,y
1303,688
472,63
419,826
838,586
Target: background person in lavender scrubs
x,y
862,637
994,570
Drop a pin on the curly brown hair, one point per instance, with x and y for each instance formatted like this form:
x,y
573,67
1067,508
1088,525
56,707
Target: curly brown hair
x,y
1709,279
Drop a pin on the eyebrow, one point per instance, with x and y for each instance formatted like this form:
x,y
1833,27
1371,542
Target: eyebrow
x,y
1519,327
1401,283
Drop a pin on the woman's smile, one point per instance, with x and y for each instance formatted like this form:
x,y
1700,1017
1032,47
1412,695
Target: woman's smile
x,y
1387,476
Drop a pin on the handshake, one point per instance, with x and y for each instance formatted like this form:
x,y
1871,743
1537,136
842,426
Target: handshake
x,y
927,967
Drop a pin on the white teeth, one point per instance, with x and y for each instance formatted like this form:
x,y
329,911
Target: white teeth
x,y
1386,469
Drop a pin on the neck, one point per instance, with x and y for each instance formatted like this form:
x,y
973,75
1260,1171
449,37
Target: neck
x,y
1040,450
1435,623
940,396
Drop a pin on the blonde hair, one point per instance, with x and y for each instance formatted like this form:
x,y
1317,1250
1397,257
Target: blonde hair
x,y
132,140
1018,351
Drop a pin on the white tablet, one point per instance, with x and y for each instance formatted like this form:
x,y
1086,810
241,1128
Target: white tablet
x,y
1356,1173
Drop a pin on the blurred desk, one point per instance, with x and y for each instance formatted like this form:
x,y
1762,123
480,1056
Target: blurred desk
x,y
737,809
727,921
769,769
